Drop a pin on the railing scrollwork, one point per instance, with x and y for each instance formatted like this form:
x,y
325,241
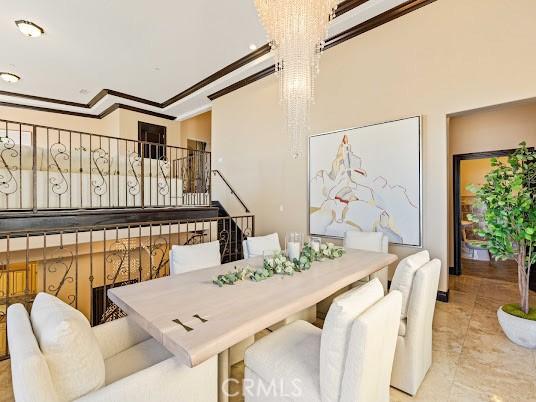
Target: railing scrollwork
x,y
58,153
8,182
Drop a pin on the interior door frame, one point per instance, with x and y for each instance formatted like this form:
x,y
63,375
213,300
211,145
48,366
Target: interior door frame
x,y
456,164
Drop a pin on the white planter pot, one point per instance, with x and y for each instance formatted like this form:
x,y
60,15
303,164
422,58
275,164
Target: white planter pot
x,y
520,331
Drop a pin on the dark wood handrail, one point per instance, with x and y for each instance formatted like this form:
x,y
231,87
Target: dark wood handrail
x,y
233,192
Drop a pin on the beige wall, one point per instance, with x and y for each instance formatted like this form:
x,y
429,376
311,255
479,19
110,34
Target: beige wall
x,y
491,129
446,57
197,128
120,123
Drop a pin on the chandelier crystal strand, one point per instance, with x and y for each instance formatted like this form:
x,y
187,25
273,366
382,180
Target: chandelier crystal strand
x,y
296,30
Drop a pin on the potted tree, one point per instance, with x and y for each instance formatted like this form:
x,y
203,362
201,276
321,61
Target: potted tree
x,y
509,199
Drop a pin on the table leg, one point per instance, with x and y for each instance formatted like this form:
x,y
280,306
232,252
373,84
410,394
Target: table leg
x,y
223,376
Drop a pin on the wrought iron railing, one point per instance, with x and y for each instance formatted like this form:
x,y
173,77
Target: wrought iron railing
x,y
52,168
80,265
231,189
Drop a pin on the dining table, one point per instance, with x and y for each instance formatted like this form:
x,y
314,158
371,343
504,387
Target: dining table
x,y
196,319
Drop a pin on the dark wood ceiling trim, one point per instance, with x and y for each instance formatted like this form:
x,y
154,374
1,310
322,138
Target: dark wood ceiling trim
x,y
102,93
242,83
335,40
42,99
380,19
116,106
103,114
47,109
133,98
348,5
263,50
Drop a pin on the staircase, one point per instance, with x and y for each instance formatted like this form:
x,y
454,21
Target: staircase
x,y
230,234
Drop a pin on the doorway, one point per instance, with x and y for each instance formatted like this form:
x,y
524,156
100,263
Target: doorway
x,y
470,254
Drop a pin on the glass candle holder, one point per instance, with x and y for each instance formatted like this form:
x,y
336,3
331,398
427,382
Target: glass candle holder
x,y
294,243
315,243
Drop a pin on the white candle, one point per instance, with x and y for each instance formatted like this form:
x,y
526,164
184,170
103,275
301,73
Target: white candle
x,y
293,250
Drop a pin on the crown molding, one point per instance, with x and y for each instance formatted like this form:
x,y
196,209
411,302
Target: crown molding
x,y
383,18
380,19
101,115
343,7
348,5
242,83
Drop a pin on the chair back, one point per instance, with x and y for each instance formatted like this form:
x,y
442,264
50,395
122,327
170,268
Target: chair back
x,y
257,246
422,300
405,275
193,257
336,335
370,241
371,350
29,370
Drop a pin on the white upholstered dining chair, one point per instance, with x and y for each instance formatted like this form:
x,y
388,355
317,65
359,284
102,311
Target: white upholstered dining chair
x,y
56,356
195,256
188,258
258,245
350,360
417,278
370,241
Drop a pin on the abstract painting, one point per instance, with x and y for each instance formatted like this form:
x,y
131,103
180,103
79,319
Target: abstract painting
x,y
367,179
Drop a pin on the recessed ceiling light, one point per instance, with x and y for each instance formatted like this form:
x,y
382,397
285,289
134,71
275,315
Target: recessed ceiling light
x,y
30,29
253,46
9,77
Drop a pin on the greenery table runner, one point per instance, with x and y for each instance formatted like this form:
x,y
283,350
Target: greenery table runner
x,y
279,264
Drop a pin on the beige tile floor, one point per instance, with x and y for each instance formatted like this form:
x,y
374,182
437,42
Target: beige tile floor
x,y
473,360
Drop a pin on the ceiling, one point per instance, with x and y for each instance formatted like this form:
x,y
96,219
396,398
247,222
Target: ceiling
x,y
147,49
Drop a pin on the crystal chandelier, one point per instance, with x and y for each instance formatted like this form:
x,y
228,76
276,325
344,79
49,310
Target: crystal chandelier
x,y
297,30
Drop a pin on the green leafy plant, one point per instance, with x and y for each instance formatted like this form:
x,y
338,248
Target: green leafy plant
x,y
509,197
238,274
279,264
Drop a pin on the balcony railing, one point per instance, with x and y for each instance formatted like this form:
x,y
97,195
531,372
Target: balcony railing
x,y
80,265
52,168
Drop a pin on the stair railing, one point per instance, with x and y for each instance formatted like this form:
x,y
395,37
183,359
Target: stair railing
x,y
231,189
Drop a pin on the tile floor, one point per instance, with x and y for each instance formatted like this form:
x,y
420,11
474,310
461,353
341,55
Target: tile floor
x,y
500,270
473,360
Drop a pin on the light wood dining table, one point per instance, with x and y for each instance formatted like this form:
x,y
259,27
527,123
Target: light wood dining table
x,y
195,319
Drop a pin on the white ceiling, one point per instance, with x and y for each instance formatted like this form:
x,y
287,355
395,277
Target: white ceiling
x,y
149,49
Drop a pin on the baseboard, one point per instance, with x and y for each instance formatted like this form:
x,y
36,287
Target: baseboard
x,y
443,296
